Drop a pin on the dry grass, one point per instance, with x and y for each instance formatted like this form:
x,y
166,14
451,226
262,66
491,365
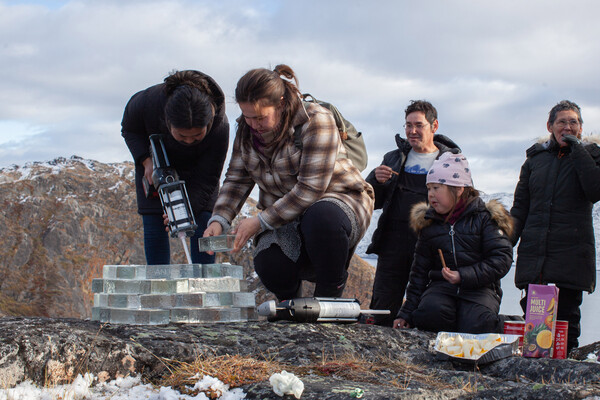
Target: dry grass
x,y
354,367
236,371
233,370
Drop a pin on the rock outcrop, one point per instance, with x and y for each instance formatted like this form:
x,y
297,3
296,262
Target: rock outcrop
x,y
330,359
64,220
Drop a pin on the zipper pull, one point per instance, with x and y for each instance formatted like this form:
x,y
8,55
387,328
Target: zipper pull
x,y
451,233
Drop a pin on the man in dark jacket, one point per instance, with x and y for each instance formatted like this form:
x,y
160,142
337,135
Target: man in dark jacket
x,y
399,183
552,208
188,109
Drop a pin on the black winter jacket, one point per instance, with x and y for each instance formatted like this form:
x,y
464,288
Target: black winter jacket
x,y
552,210
477,245
384,192
199,165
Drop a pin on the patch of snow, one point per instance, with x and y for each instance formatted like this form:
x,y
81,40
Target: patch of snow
x,y
121,168
129,388
115,186
25,173
90,164
245,211
25,199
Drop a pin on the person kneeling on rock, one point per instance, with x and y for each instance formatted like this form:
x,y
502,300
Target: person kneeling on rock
x,y
314,204
462,252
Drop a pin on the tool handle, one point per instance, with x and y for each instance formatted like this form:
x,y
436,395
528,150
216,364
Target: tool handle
x,y
376,312
442,258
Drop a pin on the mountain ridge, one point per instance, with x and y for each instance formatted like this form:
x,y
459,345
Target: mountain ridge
x,y
67,218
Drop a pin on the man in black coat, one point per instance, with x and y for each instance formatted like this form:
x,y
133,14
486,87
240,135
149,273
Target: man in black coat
x,y
188,109
558,186
399,183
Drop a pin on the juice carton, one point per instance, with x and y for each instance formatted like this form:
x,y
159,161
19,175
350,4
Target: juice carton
x,y
540,318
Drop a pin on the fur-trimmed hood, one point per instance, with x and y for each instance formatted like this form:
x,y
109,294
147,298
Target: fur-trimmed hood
x,y
417,217
591,139
588,139
500,215
548,143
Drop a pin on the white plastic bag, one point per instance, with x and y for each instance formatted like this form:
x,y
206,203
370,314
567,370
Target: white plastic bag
x,y
286,383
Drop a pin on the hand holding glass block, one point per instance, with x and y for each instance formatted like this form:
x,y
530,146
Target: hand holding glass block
x,y
220,243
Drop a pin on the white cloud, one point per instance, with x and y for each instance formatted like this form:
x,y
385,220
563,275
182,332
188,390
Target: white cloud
x,y
492,69
12,133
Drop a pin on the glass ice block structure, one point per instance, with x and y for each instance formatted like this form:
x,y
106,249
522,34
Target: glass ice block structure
x,y
174,293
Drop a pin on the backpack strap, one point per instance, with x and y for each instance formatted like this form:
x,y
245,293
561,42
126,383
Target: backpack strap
x,y
351,139
337,115
298,140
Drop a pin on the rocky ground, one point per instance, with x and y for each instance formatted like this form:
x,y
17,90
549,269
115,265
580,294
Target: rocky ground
x,y
65,219
330,359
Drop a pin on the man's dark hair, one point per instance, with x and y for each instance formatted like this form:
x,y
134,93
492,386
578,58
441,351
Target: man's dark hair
x,y
564,106
423,106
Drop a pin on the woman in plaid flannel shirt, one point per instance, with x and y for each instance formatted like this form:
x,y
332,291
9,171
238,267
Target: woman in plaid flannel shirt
x,y
314,204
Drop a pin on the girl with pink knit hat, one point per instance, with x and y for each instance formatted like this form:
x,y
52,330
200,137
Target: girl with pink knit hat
x,y
462,252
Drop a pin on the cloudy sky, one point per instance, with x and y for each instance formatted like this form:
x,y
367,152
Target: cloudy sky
x,y
493,69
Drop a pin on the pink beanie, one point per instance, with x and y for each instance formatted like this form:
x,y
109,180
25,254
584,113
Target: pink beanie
x,y
450,169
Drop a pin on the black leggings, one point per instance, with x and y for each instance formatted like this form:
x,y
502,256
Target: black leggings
x,y
442,308
391,276
325,232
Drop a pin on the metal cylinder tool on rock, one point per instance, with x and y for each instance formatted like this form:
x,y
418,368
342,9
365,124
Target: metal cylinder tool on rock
x,y
315,309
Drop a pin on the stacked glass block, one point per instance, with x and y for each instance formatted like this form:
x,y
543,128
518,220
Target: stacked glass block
x,y
181,293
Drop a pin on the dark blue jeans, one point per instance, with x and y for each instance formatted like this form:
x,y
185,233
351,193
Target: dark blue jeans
x,y
156,240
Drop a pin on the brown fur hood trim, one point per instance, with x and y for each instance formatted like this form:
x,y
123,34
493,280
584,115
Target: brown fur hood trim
x,y
417,217
591,139
499,214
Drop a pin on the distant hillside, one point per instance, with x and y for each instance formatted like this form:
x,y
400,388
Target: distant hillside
x,y
64,219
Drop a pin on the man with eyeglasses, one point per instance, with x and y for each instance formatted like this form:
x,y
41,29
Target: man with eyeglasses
x,y
552,209
399,183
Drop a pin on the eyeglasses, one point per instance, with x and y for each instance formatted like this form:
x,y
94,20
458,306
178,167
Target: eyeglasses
x,y
562,123
418,126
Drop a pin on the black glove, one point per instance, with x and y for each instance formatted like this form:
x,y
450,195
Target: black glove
x,y
571,140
